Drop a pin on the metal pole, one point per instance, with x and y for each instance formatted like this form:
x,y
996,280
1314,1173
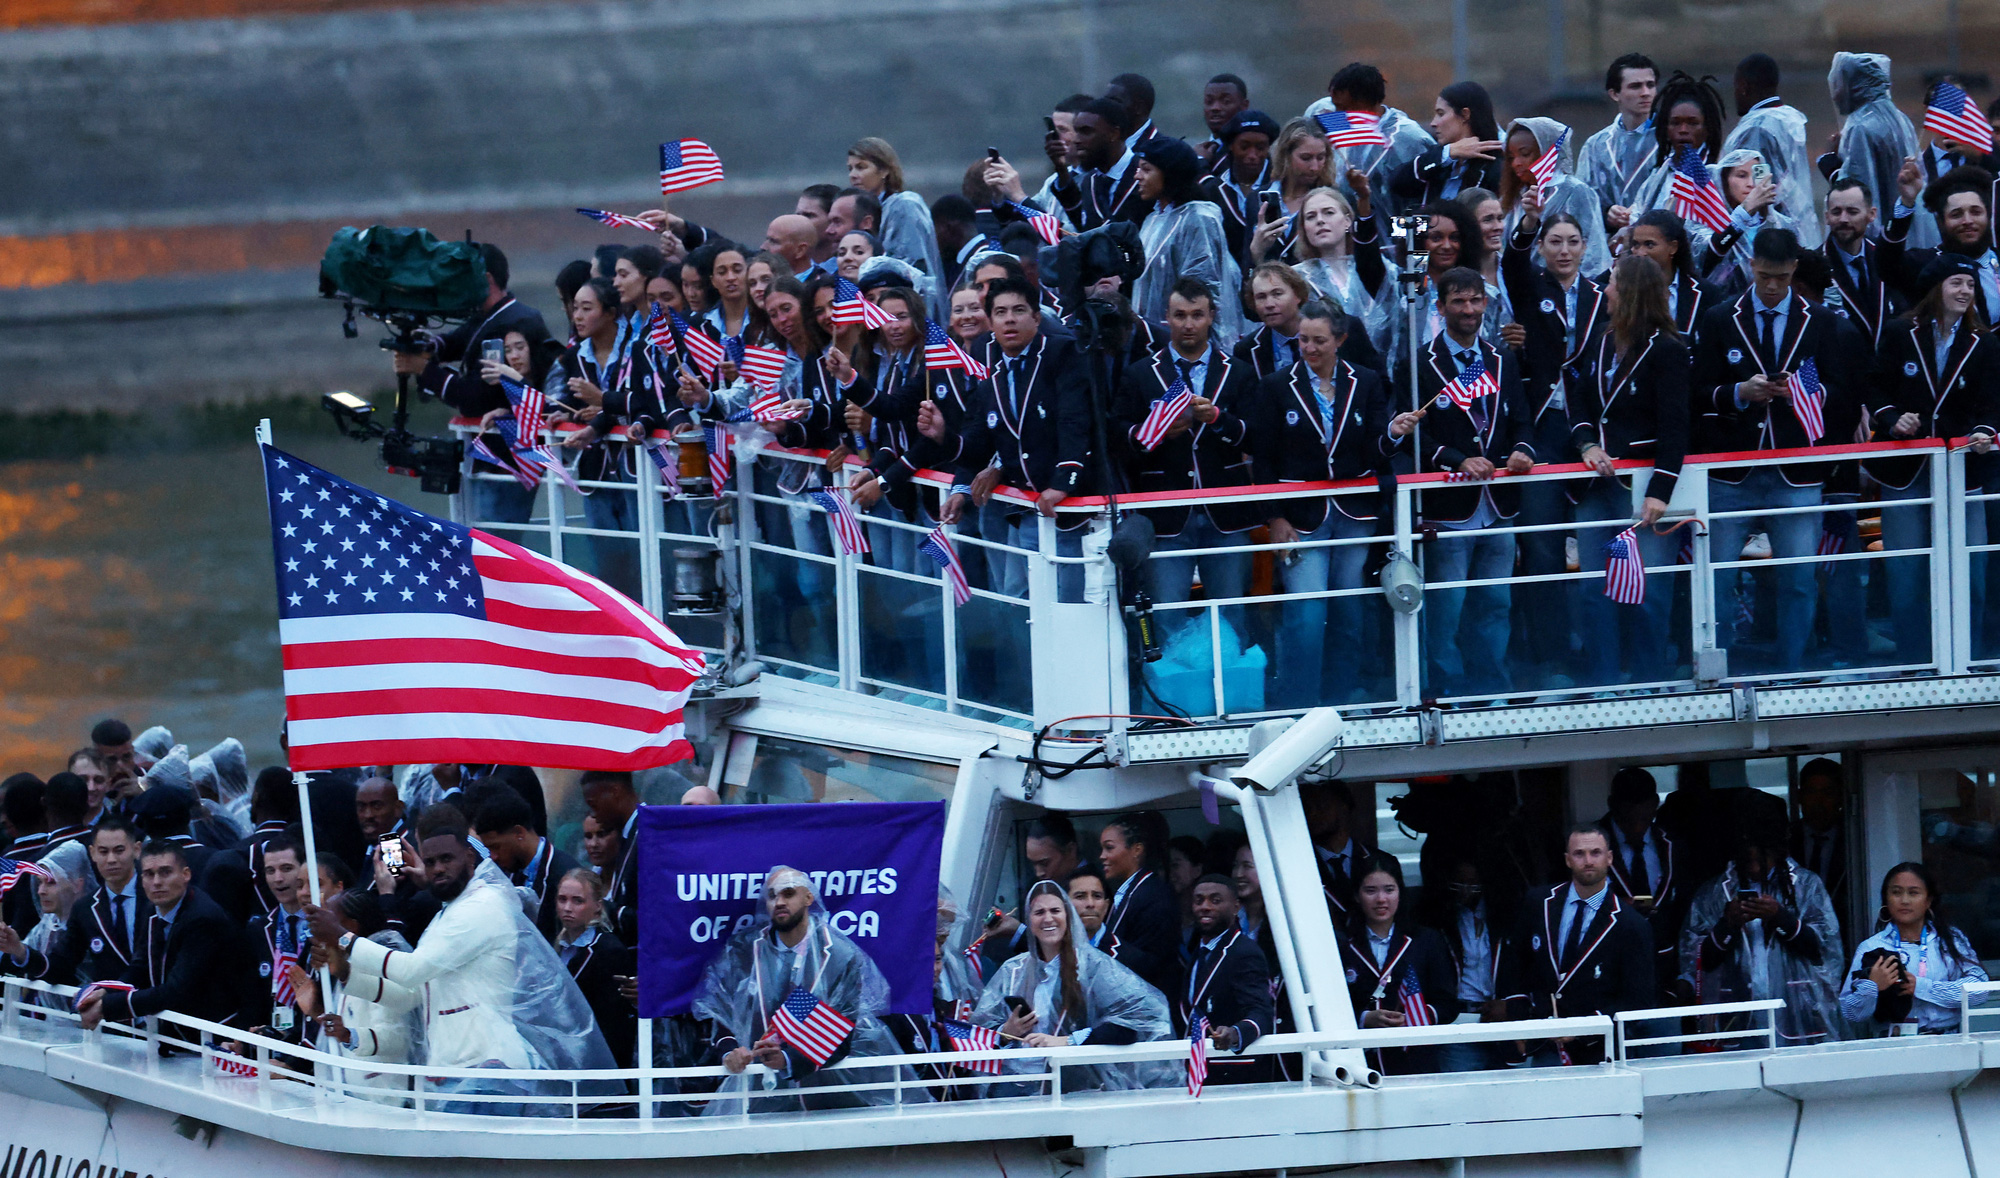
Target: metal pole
x,y
1461,38
1558,49
1087,47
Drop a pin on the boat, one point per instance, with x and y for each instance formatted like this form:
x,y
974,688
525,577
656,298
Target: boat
x,y
805,709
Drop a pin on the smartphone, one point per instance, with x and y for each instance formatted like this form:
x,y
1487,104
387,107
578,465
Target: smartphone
x,y
993,155
1746,894
494,350
1273,206
1759,172
391,847
1048,125
1017,1004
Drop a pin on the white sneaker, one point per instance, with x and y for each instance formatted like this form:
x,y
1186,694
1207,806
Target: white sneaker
x,y
1757,547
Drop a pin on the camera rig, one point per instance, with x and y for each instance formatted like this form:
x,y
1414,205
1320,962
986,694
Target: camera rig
x,y
434,461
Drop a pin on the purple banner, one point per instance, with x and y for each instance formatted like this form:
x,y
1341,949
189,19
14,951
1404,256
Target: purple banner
x,y
874,865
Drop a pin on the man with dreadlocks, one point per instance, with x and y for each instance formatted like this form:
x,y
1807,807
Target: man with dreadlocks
x,y
1688,114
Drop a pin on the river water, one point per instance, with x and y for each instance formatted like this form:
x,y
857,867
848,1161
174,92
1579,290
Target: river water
x,y
136,574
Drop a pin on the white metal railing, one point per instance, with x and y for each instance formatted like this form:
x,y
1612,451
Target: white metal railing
x,y
1769,1007
1967,1011
894,630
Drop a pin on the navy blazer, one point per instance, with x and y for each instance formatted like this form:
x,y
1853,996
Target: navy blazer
x,y
1230,986
88,950
1613,969
1952,402
1637,408
1289,442
1728,351
1206,455
1449,435
193,965
1046,444
1541,307
1147,924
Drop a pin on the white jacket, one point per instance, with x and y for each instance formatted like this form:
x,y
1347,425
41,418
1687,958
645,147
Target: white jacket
x,y
461,976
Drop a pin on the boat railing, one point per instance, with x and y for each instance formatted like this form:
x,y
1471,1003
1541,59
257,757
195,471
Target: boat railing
x,y
885,624
212,1056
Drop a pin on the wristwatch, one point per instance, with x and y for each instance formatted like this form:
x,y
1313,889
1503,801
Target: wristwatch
x,y
346,942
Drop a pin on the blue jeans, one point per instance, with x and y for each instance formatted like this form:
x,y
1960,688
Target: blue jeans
x,y
502,501
1909,528
1020,527
1638,632
1466,630
1791,535
1301,656
616,557
1545,609
1846,591
1223,574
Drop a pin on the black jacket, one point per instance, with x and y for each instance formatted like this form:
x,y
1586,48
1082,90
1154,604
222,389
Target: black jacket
x,y
1873,302
193,966
88,950
1289,442
544,884
1964,397
1902,267
1613,969
1541,308
469,394
596,968
1637,409
1728,351
1422,179
1092,200
1205,456
1417,968
1449,435
1045,444
234,878
1230,986
1259,350
1668,893
261,938
1147,924
1240,210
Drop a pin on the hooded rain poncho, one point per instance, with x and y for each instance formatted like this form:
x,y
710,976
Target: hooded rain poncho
x,y
1777,135
1566,194
1875,137
1761,966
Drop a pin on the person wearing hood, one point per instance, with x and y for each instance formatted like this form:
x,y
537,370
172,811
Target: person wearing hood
x,y
797,951
954,993
1360,87
1236,181
1941,370
1528,140
1776,132
151,745
1063,992
1183,237
1875,138
905,226
1616,160
221,778
1754,205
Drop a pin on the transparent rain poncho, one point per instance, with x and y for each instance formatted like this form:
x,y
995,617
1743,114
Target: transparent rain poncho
x,y
152,744
221,779
1407,140
1777,135
1731,271
907,233
71,877
957,986
1566,194
170,769
1187,241
750,979
1112,994
1875,137
1759,966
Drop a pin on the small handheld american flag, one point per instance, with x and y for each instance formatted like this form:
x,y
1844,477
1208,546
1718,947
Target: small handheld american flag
x,y
942,351
810,1026
664,458
1416,1012
972,960
1695,195
12,871
697,346
762,367
1042,223
850,308
1475,382
94,987
616,220
716,440
770,406
1545,167
966,1037
1951,114
687,163
1162,416
1197,1065
1624,571
1808,399
938,547
1352,128
846,528
282,991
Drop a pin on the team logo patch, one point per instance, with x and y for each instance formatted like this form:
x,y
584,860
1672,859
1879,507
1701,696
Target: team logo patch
x,y
1548,306
1291,417
1736,355
1443,401
1352,977
1535,942
264,970
97,944
1910,368
992,420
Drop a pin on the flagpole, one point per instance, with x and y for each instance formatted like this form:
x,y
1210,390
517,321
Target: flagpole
x,y
303,784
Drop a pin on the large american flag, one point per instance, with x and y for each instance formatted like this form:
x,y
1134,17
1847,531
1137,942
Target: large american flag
x,y
1197,1065
1163,414
846,528
1951,114
408,638
616,220
1624,571
1695,195
849,307
1352,128
1808,399
1474,382
939,548
966,1037
1042,223
687,163
815,1029
1544,168
13,871
942,351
